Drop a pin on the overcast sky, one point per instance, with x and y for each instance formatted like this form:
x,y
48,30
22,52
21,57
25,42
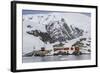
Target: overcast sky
x,y
44,12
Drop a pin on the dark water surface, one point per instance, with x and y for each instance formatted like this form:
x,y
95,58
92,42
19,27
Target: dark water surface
x,y
56,58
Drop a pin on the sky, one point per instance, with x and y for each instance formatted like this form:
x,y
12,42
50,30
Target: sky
x,y
44,12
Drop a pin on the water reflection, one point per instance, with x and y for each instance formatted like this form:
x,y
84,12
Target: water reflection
x,y
56,58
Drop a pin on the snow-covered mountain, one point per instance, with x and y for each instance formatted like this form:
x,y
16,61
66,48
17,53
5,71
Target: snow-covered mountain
x,y
44,30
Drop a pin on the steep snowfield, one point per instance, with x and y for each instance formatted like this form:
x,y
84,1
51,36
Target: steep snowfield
x,y
39,21
75,19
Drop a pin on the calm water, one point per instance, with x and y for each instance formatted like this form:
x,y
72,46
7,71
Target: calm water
x,y
56,58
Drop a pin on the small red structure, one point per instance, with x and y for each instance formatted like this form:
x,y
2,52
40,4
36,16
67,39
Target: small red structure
x,y
72,48
42,49
67,49
77,49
